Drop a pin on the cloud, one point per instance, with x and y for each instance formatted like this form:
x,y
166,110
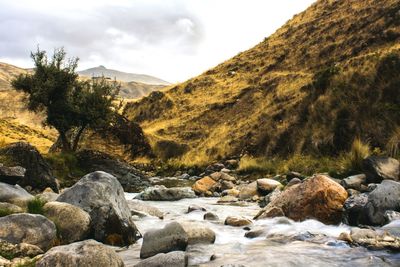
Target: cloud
x,y
172,39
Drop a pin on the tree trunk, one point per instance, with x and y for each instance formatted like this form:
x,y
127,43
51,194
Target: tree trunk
x,y
66,145
77,138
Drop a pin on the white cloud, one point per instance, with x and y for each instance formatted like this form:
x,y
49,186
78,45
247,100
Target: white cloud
x,y
174,39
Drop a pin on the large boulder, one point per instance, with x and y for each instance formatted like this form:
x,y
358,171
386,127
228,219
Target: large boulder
x,y
102,196
386,196
354,210
318,197
11,175
73,223
171,259
33,229
14,194
38,173
131,179
174,237
381,168
162,193
84,253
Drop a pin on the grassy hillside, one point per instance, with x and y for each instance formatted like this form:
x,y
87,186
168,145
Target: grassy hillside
x,y
329,75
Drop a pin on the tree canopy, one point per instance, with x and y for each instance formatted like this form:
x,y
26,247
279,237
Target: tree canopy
x,y
71,105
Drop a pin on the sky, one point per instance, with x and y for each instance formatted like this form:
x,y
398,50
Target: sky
x,y
170,39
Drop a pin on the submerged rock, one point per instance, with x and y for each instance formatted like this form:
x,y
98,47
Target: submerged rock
x,y
33,229
171,259
101,195
84,253
237,221
141,208
317,197
371,239
209,216
161,193
175,237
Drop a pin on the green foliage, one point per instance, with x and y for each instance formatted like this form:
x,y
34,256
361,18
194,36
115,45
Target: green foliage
x,y
35,206
5,212
70,105
351,162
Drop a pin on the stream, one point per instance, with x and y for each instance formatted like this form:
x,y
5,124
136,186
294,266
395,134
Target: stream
x,y
285,243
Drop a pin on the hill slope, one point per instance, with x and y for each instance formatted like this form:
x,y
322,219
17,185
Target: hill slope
x,y
122,76
330,74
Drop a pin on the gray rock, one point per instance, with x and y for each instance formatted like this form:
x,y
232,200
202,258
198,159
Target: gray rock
x,y
171,259
217,176
393,227
170,238
391,215
141,208
385,197
354,182
38,173
14,194
226,185
381,168
253,233
175,237
11,175
19,250
84,253
161,193
101,195
374,240
194,208
248,191
293,182
10,208
73,223
33,229
209,216
354,210
131,179
266,185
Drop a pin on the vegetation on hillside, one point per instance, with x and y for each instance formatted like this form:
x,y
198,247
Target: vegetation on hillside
x,y
329,76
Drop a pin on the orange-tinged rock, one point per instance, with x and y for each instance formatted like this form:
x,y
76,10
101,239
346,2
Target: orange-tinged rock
x,y
318,197
203,185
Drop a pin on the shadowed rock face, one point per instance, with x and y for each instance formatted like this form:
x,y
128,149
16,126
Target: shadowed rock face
x,y
318,197
102,196
38,173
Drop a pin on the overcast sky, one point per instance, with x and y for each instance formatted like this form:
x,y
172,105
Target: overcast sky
x,y
171,39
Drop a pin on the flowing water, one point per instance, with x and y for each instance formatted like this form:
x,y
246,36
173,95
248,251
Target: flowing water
x,y
284,243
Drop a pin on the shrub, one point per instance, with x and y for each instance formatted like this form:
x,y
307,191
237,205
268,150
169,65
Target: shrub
x,y
35,206
352,161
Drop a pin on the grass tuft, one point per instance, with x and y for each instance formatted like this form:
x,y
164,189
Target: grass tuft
x,y
35,206
351,162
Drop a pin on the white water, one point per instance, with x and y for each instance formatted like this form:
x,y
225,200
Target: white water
x,y
232,247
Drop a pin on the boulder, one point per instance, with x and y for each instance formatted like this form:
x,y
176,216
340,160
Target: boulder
x,y
391,215
33,229
84,253
354,210
291,175
381,168
102,196
161,193
175,237
11,175
38,173
204,185
8,208
385,197
231,192
266,185
14,194
141,208
195,207
317,197
19,250
209,216
171,259
131,179
293,182
217,176
354,182
237,221
216,167
73,223
248,191
226,185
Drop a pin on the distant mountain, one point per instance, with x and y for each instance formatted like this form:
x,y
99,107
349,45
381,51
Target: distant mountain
x,y
122,76
329,75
